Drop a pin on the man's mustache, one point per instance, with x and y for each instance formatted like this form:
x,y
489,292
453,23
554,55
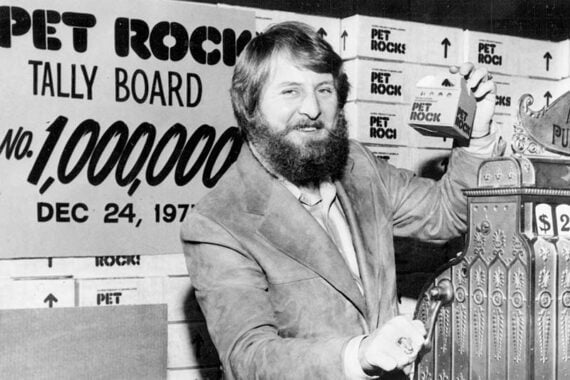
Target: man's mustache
x,y
317,124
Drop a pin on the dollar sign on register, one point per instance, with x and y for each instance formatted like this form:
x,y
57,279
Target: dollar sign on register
x,y
544,223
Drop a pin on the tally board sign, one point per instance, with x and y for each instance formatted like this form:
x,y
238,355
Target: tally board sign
x,y
115,118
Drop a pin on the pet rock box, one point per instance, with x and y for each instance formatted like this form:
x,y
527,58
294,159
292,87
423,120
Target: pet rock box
x,y
443,106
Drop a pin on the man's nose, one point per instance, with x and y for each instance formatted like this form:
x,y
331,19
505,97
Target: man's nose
x,y
310,106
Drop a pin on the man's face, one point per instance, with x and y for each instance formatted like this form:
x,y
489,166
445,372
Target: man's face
x,y
299,129
294,98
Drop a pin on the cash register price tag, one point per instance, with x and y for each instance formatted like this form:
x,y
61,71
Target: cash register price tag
x,y
563,220
544,220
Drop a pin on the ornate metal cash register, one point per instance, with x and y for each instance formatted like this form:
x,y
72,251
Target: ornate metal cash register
x,y
501,309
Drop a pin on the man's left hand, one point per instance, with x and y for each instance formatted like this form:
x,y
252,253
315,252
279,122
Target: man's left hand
x,y
481,84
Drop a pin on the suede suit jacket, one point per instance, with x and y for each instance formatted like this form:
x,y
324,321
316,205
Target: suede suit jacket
x,y
278,298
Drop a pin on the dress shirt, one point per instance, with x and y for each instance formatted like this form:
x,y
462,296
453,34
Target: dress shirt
x,y
325,208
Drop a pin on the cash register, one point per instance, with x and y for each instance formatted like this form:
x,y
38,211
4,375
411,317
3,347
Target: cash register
x,y
501,308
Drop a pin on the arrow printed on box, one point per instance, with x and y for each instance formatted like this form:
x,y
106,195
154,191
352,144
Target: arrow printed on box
x,y
547,57
50,300
446,44
343,36
322,32
548,96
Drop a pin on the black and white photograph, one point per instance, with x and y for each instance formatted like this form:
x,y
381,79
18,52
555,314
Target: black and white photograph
x,y
302,190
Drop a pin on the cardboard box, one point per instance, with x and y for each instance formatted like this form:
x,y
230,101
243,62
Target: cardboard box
x,y
388,39
40,267
327,27
543,59
376,123
543,91
518,56
439,45
385,124
44,293
120,291
376,81
443,106
372,37
499,54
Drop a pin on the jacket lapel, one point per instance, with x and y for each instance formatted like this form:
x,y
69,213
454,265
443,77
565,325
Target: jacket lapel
x,y
364,255
363,207
292,230
365,213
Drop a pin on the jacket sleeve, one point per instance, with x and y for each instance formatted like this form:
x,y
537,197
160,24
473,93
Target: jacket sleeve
x,y
426,209
232,292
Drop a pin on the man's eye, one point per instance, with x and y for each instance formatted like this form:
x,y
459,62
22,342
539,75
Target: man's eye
x,y
326,90
289,92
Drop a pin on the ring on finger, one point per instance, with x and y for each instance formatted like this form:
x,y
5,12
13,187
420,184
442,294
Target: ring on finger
x,y
405,344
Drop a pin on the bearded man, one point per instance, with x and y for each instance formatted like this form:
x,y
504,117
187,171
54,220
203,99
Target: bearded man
x,y
291,254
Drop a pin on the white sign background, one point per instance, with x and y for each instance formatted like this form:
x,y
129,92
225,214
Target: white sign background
x,y
68,188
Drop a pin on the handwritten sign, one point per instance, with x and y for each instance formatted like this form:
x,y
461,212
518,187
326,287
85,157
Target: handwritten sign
x,y
114,119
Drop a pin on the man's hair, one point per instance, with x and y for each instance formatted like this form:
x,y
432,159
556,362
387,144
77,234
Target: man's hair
x,y
295,39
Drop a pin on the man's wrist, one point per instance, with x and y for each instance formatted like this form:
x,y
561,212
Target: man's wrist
x,y
365,365
482,146
352,365
476,134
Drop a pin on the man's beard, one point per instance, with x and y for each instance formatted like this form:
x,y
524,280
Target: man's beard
x,y
311,162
